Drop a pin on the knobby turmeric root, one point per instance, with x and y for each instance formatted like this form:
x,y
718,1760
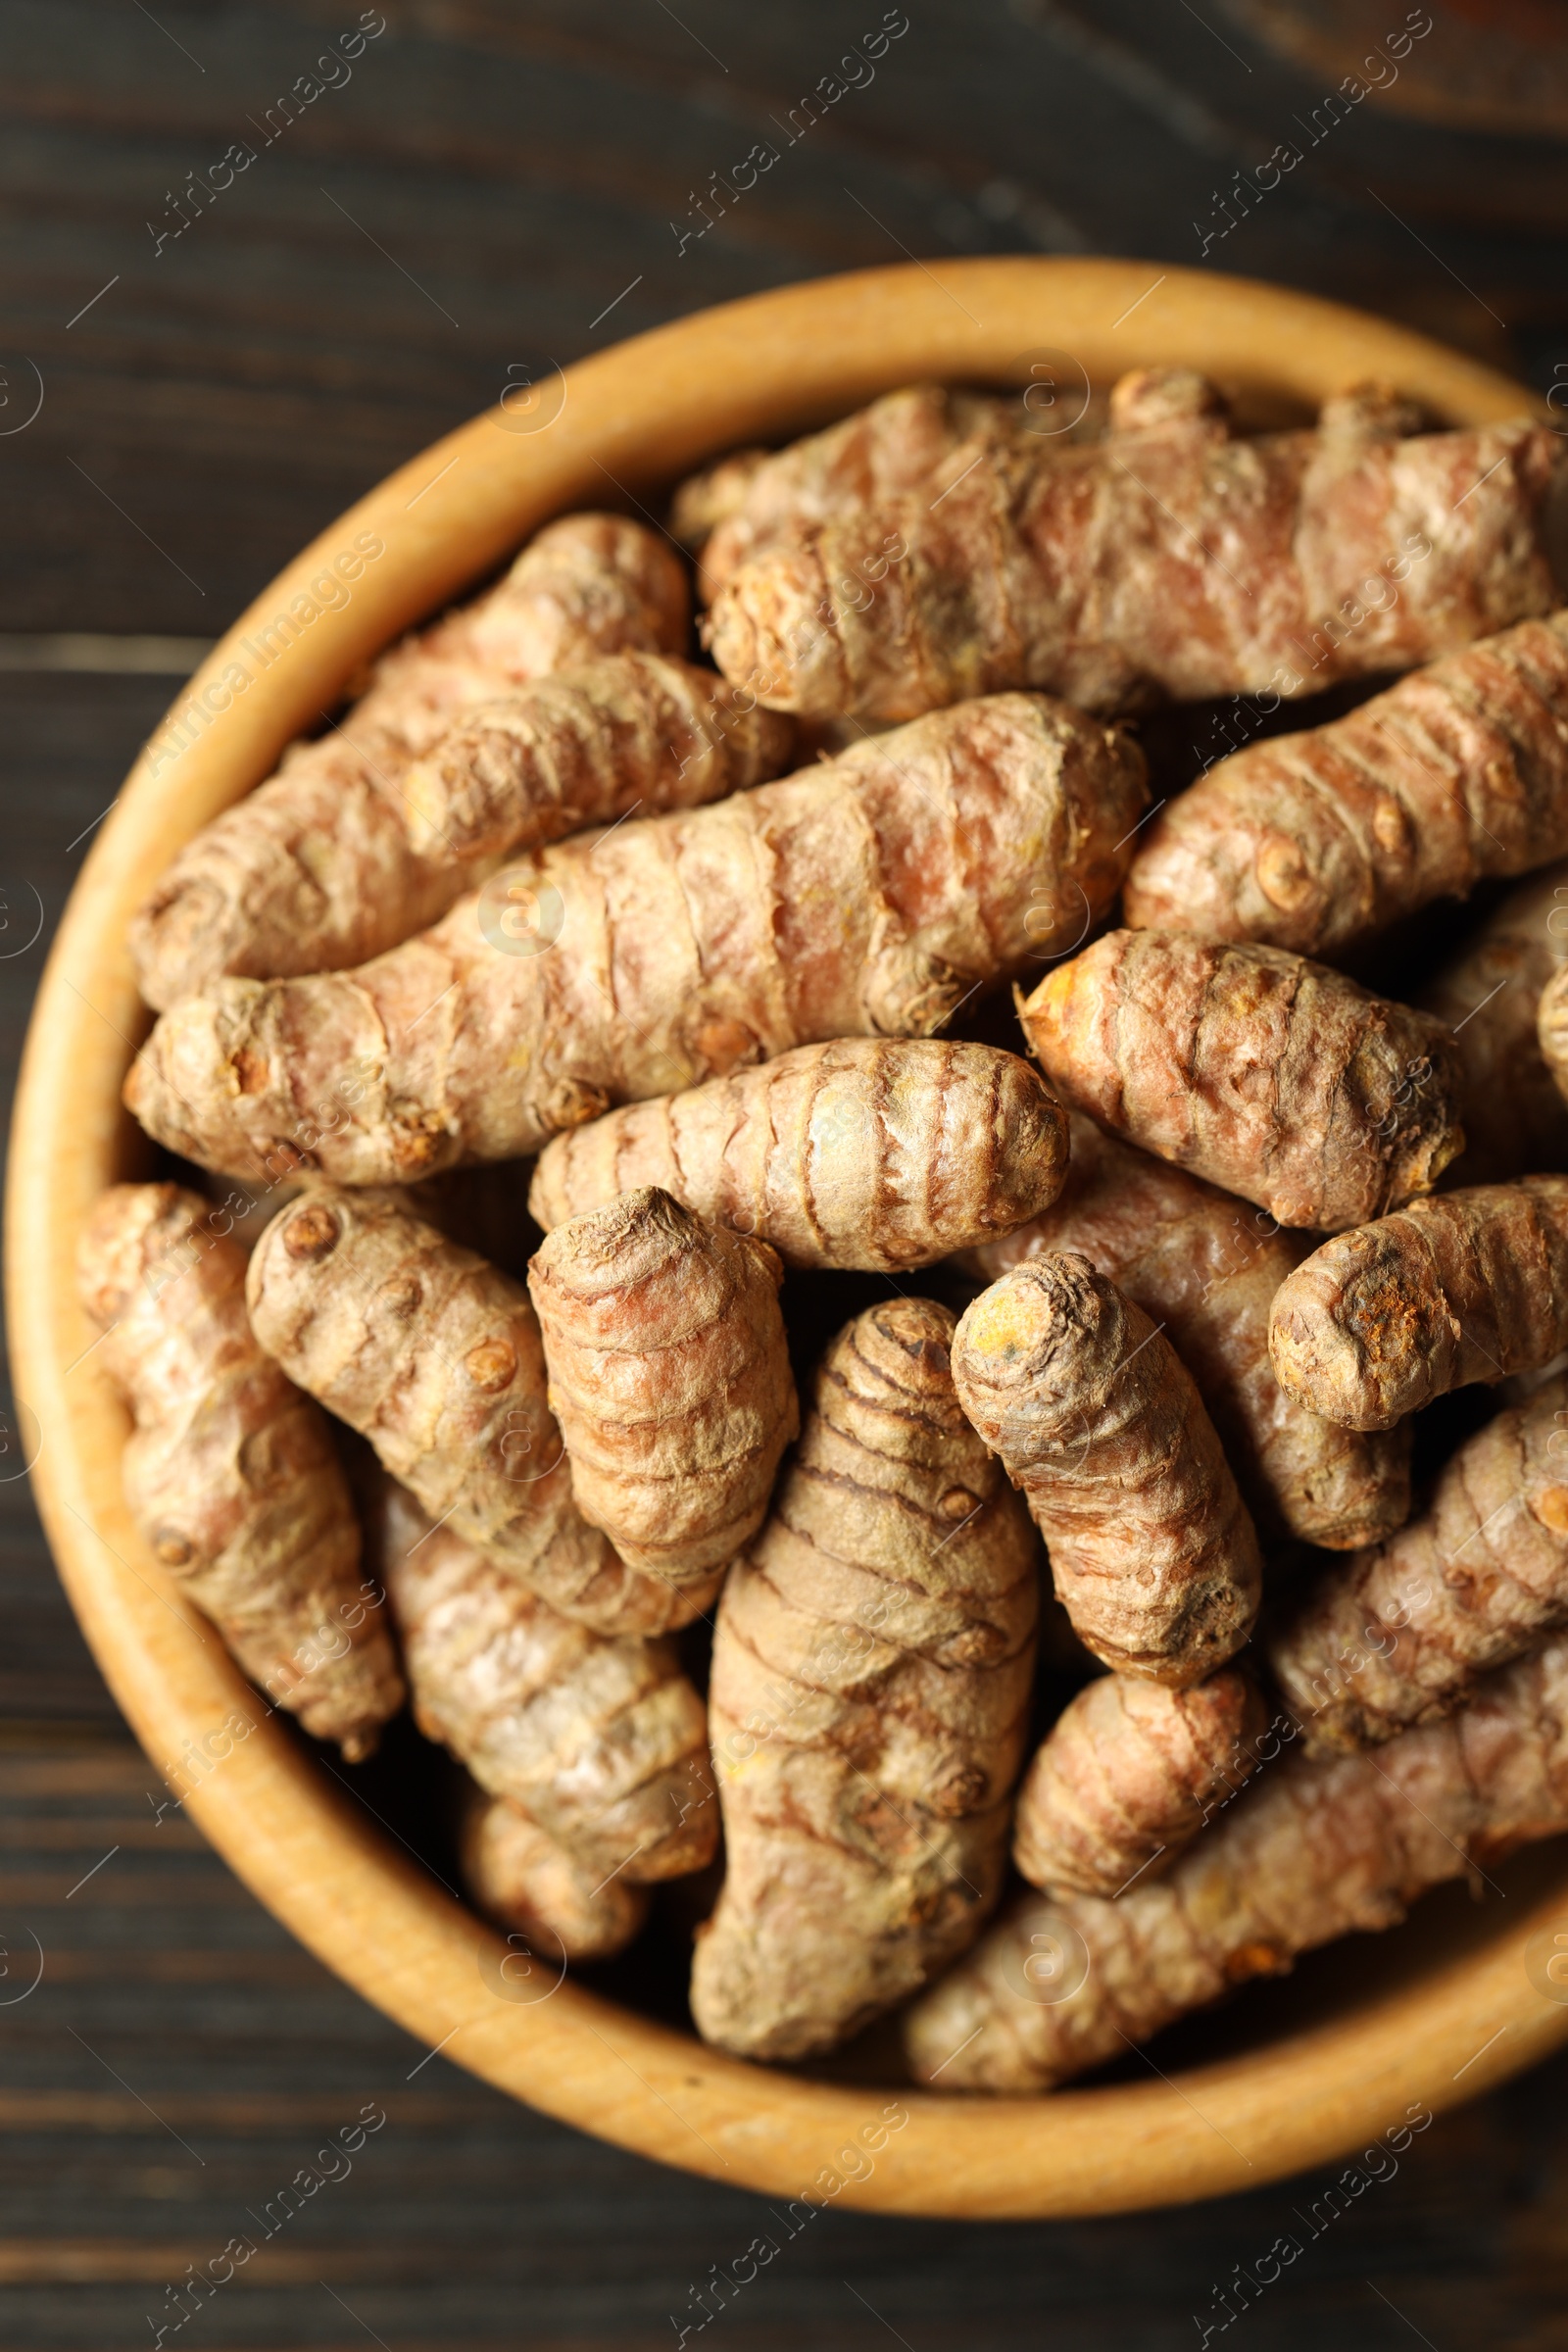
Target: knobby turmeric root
x,y
1471,1286
1128,1774
1275,1078
598,1738
1168,557
864,1153
558,1906
1489,995
435,1357
1206,1266
870,1700
1097,1420
899,444
869,896
1317,841
1397,1636
669,1373
319,867
230,1472
1312,1850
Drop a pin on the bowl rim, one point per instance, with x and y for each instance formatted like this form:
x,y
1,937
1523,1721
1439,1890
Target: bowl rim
x,y
609,431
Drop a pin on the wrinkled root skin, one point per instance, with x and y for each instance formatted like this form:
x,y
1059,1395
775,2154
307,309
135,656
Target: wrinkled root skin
x,y
231,1473
872,1667
1314,1850
1097,1420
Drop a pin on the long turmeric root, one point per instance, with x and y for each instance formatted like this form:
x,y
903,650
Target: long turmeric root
x,y
229,1471
435,1357
1275,1078
1489,995
1167,556
1206,1266
562,1908
1317,841
1128,1774
1313,1850
1096,1418
864,1153
896,445
866,896
869,1699
598,1738
1470,1286
319,867
670,1373
1397,1636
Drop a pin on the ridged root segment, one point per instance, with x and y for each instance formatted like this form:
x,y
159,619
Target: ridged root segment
x,y
318,868
520,1877
1471,1286
1346,551
598,1738
870,1700
1488,997
1397,1636
669,1373
866,1152
866,896
1128,1774
1206,1266
231,1473
1097,1420
435,1357
1312,1850
1272,1077
1318,841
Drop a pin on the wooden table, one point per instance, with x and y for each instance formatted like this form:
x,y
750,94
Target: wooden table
x,y
495,186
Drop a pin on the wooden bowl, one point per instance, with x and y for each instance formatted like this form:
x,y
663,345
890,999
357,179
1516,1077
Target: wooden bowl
x,y
1448,2014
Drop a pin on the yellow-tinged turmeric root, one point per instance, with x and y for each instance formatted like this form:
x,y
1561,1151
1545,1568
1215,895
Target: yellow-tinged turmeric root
x,y
1097,1420
864,1153
322,866
900,443
598,1738
869,1702
1272,1077
1397,1636
559,1907
230,1472
869,896
1489,995
1206,1266
435,1357
1128,1774
1317,841
1312,1850
1166,557
669,1373
1471,1286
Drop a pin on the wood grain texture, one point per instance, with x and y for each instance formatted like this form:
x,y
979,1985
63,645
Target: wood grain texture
x,y
528,160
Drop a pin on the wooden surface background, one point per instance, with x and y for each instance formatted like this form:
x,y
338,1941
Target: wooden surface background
x,y
497,187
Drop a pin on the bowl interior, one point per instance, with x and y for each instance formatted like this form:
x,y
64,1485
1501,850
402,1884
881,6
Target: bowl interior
x,y
1289,2075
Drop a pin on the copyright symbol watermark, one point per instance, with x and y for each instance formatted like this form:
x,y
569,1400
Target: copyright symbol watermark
x,y
1547,1962
1056,390
532,397
519,914
1052,1965
21,394
519,1973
